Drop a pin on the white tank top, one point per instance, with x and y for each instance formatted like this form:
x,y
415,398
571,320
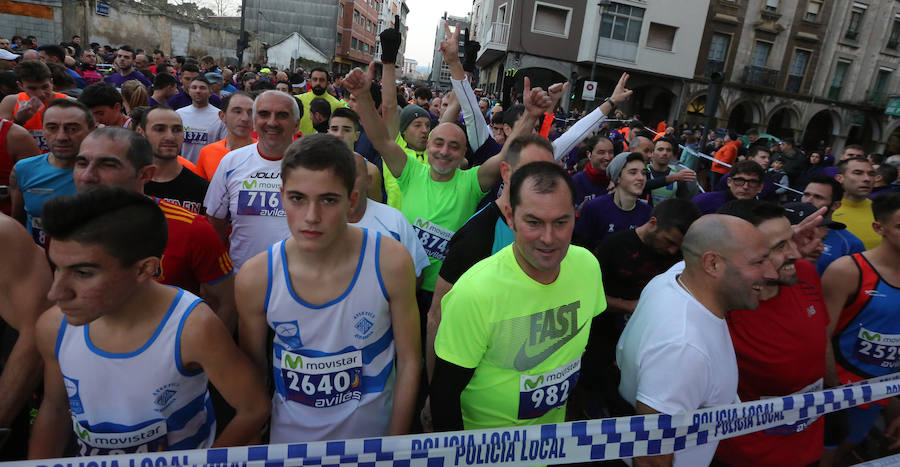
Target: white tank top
x,y
142,401
333,363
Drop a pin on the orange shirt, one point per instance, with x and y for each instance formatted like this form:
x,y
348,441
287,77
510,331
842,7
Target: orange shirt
x,y
210,156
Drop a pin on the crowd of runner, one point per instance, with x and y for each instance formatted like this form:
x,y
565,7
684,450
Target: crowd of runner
x,y
196,255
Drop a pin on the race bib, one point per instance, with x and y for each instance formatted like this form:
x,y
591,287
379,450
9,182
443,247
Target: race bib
x,y
433,237
322,381
259,203
196,136
877,349
540,393
151,438
799,425
37,231
38,136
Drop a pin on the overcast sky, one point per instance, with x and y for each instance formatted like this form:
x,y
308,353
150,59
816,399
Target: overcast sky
x,y
422,21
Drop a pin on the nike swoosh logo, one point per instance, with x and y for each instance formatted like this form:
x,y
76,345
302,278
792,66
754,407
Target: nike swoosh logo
x,y
524,361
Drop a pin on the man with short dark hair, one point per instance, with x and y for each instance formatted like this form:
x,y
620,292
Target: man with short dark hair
x,y
27,107
824,191
319,79
165,86
862,297
665,182
105,102
622,209
885,176
850,151
745,181
237,114
113,325
87,67
593,181
36,180
519,316
202,124
125,70
790,320
171,181
189,72
320,114
55,54
856,175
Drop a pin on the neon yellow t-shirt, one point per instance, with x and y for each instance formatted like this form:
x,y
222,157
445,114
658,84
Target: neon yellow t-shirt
x,y
523,338
858,217
437,209
394,195
306,126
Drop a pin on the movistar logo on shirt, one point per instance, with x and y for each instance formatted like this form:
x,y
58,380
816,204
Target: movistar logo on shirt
x,y
549,330
533,383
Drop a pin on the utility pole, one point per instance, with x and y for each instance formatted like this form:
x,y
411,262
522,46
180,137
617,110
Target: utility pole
x,y
242,41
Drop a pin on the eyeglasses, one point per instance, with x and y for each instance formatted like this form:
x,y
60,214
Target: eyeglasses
x,y
753,182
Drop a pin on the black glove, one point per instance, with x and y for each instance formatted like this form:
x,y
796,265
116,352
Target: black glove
x,y
472,48
390,42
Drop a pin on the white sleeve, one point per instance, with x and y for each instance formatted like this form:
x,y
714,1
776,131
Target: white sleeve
x,y
217,201
579,131
673,378
411,241
477,130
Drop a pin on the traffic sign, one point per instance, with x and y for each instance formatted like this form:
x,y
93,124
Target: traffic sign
x,y
589,91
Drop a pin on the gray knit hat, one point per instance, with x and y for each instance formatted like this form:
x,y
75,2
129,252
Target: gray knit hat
x,y
614,169
410,113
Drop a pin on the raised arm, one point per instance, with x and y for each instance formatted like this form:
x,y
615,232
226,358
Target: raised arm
x,y
451,115
358,82
536,102
477,130
390,45
582,128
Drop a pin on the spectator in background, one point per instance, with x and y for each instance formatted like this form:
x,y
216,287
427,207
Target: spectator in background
x,y
189,72
106,104
164,87
727,154
125,70
56,54
88,67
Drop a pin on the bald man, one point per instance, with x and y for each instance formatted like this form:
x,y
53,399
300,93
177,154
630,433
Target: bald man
x,y
676,353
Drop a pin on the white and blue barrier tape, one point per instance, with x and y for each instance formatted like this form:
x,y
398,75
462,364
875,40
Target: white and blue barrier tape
x,y
583,441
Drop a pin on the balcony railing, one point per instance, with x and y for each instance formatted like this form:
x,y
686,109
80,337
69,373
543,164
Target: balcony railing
x,y
876,98
498,34
760,76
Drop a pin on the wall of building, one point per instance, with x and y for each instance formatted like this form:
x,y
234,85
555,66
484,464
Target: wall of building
x,y
40,18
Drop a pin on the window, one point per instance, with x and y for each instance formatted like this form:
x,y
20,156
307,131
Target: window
x,y
718,53
876,95
501,14
760,54
551,19
813,8
894,38
797,70
856,15
661,36
340,10
356,16
771,6
837,81
621,22
340,40
353,44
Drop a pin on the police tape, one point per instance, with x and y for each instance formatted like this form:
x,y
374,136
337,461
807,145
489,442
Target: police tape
x,y
557,443
883,462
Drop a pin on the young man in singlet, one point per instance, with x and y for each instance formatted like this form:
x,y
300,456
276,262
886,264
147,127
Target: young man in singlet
x,y
341,303
26,108
862,293
127,360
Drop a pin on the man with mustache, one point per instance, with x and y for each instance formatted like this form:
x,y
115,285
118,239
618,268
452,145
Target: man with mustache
x,y
319,79
675,353
780,346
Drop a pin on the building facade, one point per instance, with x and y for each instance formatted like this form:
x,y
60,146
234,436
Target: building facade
x,y
440,73
357,29
273,20
820,72
655,41
389,9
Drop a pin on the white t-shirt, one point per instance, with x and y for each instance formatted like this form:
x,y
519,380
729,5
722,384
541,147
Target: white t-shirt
x,y
202,126
247,187
391,222
676,356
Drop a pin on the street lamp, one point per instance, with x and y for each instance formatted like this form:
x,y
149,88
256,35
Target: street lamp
x,y
600,4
